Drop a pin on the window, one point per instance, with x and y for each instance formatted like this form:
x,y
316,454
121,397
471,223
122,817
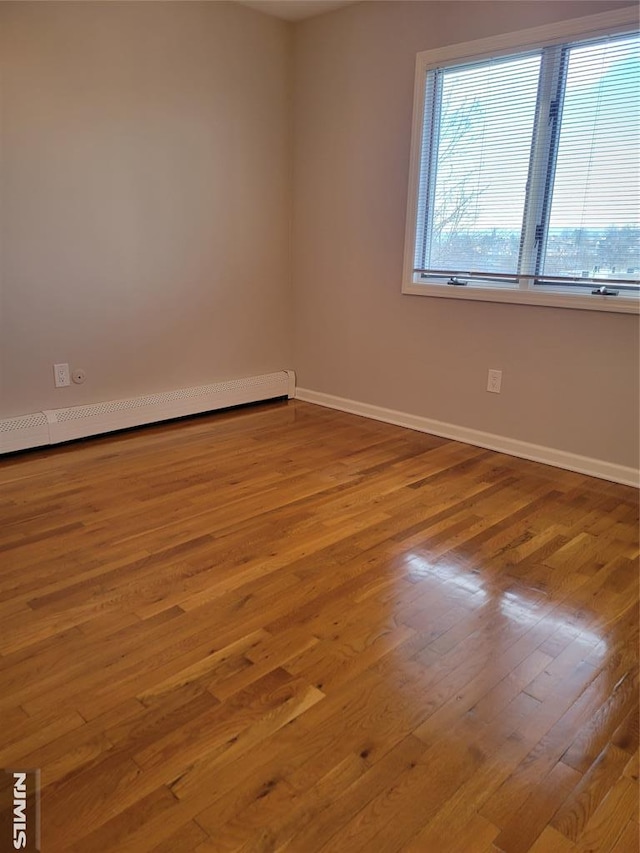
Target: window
x,y
525,171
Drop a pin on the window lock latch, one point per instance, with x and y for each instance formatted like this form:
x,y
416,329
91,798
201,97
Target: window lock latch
x,y
457,281
604,291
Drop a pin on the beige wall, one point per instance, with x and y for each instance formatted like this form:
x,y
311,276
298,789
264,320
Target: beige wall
x,y
145,210
570,377
145,169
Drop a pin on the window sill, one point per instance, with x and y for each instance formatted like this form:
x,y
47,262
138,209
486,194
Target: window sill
x,y
611,304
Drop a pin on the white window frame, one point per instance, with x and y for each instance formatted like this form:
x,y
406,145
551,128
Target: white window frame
x,y
601,25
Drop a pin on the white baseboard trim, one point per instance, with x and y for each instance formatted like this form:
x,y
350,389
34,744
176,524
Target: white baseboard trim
x,y
513,447
57,425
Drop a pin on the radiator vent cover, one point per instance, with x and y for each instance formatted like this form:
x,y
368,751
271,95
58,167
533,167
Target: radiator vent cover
x,y
24,422
56,425
23,432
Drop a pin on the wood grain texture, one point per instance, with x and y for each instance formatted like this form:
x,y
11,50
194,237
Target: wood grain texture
x,y
285,628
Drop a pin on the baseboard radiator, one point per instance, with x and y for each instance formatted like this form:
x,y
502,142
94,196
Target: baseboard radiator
x,y
58,425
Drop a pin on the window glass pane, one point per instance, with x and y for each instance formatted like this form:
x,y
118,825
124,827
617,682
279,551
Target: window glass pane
x,y
473,189
594,223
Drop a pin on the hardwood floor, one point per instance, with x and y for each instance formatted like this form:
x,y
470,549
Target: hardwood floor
x,y
288,628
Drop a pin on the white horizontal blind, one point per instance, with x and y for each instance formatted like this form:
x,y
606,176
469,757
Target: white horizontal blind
x,y
529,168
473,188
594,220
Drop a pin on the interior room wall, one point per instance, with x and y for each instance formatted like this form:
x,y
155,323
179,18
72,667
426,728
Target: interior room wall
x,y
570,377
146,220
145,172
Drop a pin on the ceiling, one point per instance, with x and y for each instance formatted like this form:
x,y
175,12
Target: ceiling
x,y
295,10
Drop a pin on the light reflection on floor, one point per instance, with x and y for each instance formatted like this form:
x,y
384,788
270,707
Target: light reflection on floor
x,y
519,605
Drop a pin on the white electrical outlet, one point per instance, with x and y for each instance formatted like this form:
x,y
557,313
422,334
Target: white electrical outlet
x,y
61,375
494,381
